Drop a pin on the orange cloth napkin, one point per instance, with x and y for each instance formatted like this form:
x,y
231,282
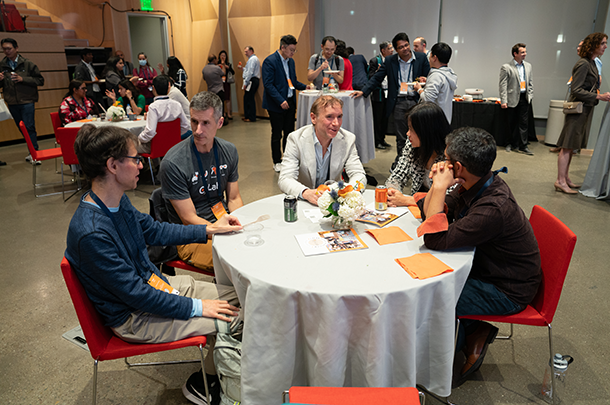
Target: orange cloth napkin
x,y
86,120
423,265
391,234
415,211
434,224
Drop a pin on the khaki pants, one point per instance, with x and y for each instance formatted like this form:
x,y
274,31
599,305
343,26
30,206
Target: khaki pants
x,y
197,254
142,327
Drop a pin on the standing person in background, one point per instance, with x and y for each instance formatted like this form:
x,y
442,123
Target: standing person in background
x,y
441,82
279,98
223,60
19,80
379,96
359,69
213,74
113,74
585,86
85,72
326,60
347,76
145,74
252,74
419,45
402,70
516,93
176,72
127,66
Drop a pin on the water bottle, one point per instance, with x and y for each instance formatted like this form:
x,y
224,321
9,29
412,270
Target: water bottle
x,y
128,110
557,369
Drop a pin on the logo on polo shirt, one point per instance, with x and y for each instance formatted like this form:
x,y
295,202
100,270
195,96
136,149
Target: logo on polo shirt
x,y
195,178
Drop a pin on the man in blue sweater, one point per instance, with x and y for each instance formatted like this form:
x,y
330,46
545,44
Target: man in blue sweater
x,y
106,246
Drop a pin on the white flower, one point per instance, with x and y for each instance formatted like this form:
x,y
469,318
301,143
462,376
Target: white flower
x,y
116,113
324,201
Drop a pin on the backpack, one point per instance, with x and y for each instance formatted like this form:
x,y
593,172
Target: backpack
x,y
227,357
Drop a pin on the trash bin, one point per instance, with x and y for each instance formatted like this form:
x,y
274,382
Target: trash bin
x,y
554,124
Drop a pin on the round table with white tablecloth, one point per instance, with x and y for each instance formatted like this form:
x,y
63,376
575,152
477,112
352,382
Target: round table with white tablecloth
x,y
353,318
357,118
135,127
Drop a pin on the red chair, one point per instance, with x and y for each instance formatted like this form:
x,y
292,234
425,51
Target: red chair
x,y
55,120
556,242
168,135
66,138
104,344
39,155
355,396
185,266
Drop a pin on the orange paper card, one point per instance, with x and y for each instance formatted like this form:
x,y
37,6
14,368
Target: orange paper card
x,y
159,284
219,210
415,211
423,265
392,234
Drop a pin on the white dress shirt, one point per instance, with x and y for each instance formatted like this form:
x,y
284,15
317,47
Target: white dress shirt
x,y
252,69
163,109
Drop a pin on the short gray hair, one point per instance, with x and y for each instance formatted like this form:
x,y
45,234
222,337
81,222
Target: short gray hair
x,y
206,100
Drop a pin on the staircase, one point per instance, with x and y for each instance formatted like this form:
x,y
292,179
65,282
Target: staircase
x,y
38,24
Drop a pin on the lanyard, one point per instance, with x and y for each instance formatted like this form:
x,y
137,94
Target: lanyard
x,y
408,73
201,173
83,107
147,73
487,184
109,214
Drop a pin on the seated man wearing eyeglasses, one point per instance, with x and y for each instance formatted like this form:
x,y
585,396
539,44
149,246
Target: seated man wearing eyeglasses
x,y
481,212
106,246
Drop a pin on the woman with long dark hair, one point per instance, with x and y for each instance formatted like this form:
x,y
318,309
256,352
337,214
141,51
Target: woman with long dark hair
x,y
145,74
223,61
176,72
129,96
584,88
428,128
113,73
75,105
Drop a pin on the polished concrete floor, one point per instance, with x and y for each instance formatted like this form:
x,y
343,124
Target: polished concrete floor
x,y
38,366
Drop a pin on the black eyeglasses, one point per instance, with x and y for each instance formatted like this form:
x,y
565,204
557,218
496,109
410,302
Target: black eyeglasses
x,y
138,159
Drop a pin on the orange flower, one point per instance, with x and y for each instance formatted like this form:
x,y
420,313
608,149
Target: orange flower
x,y
347,189
322,188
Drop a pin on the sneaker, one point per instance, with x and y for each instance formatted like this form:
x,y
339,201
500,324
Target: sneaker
x,y
508,148
29,159
277,167
194,391
380,146
526,151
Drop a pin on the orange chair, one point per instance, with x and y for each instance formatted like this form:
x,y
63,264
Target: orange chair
x,y
556,242
168,135
66,138
354,396
39,155
105,345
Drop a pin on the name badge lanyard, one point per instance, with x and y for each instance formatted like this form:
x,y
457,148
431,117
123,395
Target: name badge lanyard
x,y
408,73
83,107
107,212
487,184
201,172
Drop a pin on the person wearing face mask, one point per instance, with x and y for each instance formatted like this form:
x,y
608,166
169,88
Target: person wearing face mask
x,y
145,74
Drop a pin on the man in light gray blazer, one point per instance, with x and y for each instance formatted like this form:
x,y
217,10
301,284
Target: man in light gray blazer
x,y
319,152
516,93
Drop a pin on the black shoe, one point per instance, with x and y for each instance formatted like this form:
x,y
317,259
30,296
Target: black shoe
x,y
194,390
380,146
526,151
387,145
2,163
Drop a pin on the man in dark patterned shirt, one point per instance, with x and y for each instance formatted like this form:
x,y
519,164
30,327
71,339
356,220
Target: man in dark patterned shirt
x,y
481,212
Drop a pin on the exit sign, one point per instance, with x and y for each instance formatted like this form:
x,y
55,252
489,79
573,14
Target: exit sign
x,y
146,5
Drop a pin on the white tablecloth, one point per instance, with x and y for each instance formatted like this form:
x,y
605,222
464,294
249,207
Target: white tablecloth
x,y
135,127
351,318
357,118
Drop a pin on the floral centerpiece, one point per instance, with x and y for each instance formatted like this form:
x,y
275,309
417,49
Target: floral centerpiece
x,y
341,202
115,113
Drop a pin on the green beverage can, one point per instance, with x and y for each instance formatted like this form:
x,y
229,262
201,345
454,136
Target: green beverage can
x,y
290,208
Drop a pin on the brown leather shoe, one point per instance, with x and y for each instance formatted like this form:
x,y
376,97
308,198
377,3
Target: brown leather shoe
x,y
245,120
476,347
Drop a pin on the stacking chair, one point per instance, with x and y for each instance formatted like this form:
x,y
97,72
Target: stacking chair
x,y
168,135
354,396
55,120
556,242
66,138
105,345
39,155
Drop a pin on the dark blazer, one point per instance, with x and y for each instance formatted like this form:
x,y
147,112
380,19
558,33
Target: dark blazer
x,y
275,83
359,71
585,82
390,67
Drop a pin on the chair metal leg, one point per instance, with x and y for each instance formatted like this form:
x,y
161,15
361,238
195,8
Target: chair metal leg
x,y
422,398
509,336
94,382
159,363
205,379
152,176
285,394
551,354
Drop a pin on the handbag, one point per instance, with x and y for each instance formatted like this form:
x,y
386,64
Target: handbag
x,y
230,78
5,114
573,107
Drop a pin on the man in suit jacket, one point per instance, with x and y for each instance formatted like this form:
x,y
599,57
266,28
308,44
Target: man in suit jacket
x,y
516,93
378,96
279,98
319,152
85,72
402,68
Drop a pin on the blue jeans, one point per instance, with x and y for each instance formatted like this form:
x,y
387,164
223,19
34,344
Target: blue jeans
x,y
25,113
480,298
